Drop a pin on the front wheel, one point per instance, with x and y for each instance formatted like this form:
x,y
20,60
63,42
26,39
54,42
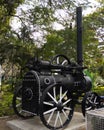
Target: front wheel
x,y
56,107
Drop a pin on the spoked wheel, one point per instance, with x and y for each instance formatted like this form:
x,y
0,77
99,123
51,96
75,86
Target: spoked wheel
x,y
56,107
90,101
60,60
17,104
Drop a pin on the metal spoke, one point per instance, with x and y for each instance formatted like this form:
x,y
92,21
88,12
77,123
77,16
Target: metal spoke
x,y
50,117
90,101
58,60
53,109
18,105
95,99
56,120
60,118
60,93
65,114
92,96
18,98
54,92
67,108
56,105
89,108
48,103
52,97
65,61
63,95
66,102
20,111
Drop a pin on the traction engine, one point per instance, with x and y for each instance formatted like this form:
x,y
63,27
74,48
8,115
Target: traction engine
x,y
50,89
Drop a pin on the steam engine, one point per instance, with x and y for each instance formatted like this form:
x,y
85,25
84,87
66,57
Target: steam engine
x,y
51,89
44,75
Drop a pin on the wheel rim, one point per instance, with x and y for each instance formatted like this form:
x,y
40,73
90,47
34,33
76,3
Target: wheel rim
x,y
60,60
17,105
90,102
56,107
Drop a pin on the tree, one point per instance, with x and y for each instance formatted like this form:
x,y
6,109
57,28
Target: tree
x,y
7,9
39,20
60,42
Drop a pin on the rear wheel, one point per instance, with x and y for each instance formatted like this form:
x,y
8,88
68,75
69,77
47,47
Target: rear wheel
x,y
60,60
17,104
90,101
56,107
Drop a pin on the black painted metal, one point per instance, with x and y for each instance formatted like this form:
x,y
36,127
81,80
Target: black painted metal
x,y
79,36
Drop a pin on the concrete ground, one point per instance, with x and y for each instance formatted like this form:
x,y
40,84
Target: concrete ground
x,y
3,122
77,123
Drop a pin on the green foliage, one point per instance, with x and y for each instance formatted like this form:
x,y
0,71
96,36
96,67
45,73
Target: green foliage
x,y
99,81
9,6
6,96
50,48
6,88
6,104
7,9
42,16
101,70
93,32
95,22
60,42
99,90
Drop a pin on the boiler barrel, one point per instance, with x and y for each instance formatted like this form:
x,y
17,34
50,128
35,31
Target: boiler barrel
x,y
67,81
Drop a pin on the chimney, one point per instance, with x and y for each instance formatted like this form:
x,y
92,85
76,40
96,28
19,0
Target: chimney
x,y
79,36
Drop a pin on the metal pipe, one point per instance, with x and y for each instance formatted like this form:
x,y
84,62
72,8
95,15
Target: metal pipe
x,y
79,36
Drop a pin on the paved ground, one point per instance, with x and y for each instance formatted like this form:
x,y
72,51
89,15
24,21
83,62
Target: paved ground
x,y
77,123
3,122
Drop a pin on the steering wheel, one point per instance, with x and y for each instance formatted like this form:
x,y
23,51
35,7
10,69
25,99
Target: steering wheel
x,y
60,60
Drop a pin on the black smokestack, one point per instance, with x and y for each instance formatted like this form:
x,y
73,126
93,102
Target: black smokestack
x,y
79,36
